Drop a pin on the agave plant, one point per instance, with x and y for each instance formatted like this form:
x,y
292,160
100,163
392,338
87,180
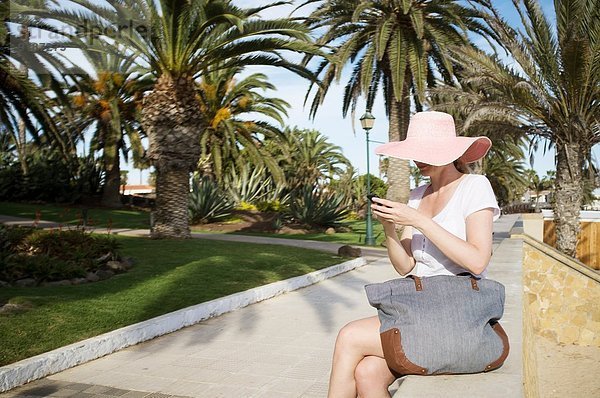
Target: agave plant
x,y
207,201
316,207
250,184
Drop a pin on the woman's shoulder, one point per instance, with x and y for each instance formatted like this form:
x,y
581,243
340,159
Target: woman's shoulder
x,y
477,180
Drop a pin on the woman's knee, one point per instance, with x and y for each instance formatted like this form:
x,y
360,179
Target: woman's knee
x,y
362,334
372,376
347,336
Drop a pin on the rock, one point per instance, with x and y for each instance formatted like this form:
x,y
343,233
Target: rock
x,y
103,258
104,274
349,251
10,308
116,266
128,262
65,282
92,277
27,282
79,281
330,231
4,284
292,231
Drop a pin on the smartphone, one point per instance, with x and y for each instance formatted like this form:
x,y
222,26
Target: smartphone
x,y
371,196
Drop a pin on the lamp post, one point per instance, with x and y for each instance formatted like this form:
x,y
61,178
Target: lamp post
x,y
366,121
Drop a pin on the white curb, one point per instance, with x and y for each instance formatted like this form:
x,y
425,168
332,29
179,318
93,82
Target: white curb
x,y
45,364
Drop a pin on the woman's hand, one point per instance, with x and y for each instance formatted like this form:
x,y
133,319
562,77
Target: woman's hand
x,y
393,213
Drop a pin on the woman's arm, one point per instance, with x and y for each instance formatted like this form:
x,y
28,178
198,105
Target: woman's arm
x,y
473,254
399,250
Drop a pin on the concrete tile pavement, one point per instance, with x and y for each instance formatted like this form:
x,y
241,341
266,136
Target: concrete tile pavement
x,y
281,347
278,347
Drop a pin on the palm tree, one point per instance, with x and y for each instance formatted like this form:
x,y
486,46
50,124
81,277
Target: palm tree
x,y
233,136
307,158
397,46
110,103
505,169
179,41
24,105
552,92
504,163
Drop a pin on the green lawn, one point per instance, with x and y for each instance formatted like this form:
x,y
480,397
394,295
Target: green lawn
x,y
72,215
141,219
168,275
355,237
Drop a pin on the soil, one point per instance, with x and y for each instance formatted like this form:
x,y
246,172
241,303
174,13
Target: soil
x,y
252,221
567,370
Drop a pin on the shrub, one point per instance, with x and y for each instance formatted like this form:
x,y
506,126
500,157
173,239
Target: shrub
x,y
270,205
207,201
51,178
50,255
317,208
246,206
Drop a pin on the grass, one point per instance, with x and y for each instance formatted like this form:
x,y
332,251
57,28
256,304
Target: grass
x,y
168,275
355,237
140,219
71,215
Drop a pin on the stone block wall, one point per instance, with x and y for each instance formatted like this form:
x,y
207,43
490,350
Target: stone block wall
x,y
562,295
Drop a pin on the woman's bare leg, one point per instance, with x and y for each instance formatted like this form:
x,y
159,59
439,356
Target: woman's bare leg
x,y
355,341
373,377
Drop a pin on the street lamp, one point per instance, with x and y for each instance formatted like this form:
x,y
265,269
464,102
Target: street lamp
x,y
367,121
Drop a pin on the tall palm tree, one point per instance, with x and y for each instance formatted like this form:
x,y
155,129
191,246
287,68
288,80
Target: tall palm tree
x,y
307,158
393,45
553,91
179,40
504,167
110,102
24,79
230,106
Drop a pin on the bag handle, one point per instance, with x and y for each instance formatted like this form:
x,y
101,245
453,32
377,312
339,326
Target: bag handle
x,y
419,282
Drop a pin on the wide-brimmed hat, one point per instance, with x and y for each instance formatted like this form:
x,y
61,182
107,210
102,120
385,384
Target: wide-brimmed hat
x,y
432,139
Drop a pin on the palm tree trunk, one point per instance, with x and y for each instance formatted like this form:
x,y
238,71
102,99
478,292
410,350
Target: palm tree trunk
x,y
172,121
398,172
111,197
22,138
171,208
569,196
22,147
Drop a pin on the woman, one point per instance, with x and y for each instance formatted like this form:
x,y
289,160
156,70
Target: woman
x,y
447,231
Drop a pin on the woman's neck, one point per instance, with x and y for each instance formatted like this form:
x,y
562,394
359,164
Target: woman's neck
x,y
443,176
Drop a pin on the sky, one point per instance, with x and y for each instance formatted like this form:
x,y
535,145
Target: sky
x,y
345,132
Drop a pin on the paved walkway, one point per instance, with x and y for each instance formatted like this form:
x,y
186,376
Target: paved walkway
x,y
277,348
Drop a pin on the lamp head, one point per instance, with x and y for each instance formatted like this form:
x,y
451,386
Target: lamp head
x,y
367,120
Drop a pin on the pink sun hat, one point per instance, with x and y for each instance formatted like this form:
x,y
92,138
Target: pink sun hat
x,y
432,139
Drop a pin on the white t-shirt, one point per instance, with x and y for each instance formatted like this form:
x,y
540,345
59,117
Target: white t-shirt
x,y
473,193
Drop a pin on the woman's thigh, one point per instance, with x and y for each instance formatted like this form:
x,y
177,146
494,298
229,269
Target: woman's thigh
x,y
362,337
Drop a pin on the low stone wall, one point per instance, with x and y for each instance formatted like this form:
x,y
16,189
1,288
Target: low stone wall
x,y
562,295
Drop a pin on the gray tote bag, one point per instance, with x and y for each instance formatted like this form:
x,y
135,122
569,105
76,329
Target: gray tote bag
x,y
440,324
